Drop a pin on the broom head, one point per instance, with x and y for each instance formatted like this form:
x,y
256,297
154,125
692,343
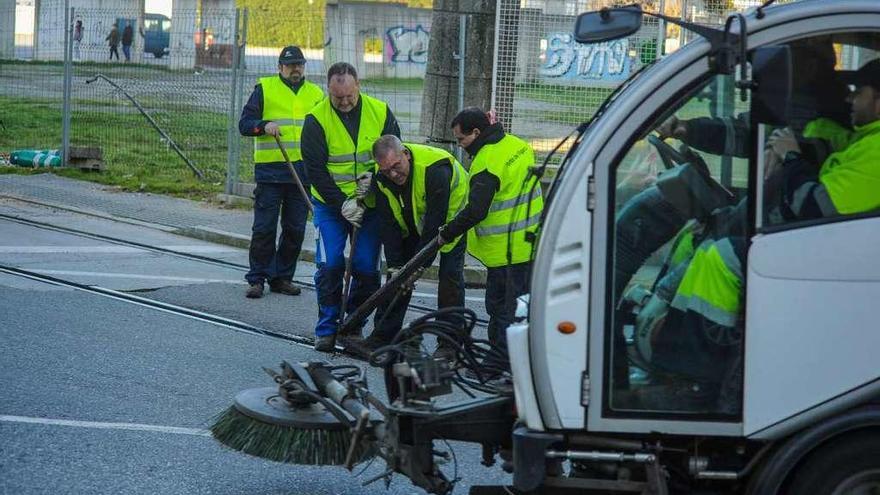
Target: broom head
x,y
261,423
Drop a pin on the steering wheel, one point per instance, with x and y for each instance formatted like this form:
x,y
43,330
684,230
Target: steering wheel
x,y
670,156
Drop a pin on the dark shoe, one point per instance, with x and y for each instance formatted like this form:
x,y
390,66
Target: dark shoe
x,y
255,291
284,287
352,336
325,343
365,347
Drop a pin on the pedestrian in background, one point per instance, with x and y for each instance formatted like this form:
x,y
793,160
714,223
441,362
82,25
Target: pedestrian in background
x,y
338,136
127,38
277,107
113,39
77,39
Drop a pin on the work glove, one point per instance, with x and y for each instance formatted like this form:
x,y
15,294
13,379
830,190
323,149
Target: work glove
x,y
441,236
782,142
672,128
391,272
353,211
363,185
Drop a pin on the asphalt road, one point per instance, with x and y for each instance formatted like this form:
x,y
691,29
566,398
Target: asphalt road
x,y
103,396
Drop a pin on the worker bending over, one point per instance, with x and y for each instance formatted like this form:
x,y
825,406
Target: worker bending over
x,y
420,189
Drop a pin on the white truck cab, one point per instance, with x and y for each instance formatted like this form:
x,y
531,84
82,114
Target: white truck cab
x,y
762,376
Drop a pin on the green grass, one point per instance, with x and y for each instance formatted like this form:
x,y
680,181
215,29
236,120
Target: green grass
x,y
134,155
584,97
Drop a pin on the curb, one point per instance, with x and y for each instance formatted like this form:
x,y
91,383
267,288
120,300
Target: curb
x,y
474,276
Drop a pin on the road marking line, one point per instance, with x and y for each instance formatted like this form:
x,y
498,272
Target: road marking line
x,y
105,426
138,276
109,249
429,295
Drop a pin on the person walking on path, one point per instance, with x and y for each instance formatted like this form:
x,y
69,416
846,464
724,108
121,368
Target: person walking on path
x,y
501,216
113,40
421,188
77,39
338,135
127,38
277,107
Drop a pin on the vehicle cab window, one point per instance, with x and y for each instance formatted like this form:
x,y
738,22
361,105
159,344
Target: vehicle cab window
x,y
679,246
822,162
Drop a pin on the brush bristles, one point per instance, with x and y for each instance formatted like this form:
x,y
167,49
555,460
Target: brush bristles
x,y
314,447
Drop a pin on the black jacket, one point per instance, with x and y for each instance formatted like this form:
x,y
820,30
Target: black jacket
x,y
483,187
315,151
395,245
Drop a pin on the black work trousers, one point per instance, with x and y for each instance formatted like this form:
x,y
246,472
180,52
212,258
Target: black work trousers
x,y
450,289
271,200
503,285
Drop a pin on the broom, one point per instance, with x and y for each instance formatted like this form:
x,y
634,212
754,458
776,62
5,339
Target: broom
x,y
308,419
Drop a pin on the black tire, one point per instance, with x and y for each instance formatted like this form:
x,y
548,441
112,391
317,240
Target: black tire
x,y
158,54
846,466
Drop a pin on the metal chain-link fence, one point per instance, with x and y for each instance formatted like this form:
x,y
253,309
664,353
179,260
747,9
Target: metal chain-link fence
x,y
167,111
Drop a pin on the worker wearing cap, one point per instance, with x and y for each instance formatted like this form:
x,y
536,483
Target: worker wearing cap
x,y
501,215
420,189
848,181
276,108
338,135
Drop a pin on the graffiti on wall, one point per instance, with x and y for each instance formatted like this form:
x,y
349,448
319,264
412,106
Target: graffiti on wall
x,y
405,45
566,59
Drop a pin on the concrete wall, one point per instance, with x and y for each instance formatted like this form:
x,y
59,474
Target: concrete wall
x,y
401,32
98,16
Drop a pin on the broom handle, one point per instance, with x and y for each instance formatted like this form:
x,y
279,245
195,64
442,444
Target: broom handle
x,y
385,291
299,184
346,278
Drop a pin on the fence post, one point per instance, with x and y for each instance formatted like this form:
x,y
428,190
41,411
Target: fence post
x,y
661,32
68,76
242,73
462,47
231,134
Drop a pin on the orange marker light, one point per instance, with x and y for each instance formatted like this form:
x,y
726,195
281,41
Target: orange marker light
x,y
566,327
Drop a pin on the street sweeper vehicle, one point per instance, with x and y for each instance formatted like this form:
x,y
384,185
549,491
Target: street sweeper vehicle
x,y
703,307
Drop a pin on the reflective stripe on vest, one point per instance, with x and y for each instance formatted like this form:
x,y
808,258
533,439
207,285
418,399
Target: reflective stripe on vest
x,y
424,157
346,159
287,109
712,283
516,207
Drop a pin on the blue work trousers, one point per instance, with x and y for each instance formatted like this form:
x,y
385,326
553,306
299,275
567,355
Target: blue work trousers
x,y
271,200
332,232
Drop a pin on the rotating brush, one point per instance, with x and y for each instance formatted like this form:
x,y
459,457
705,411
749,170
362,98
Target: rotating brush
x,y
302,421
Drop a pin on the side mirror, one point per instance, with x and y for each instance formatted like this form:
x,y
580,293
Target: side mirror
x,y
772,82
607,24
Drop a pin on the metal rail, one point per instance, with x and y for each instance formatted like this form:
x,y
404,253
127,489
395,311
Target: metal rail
x,y
180,254
164,307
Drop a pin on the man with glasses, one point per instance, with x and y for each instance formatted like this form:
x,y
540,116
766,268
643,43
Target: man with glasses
x,y
421,188
501,215
338,135
276,108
